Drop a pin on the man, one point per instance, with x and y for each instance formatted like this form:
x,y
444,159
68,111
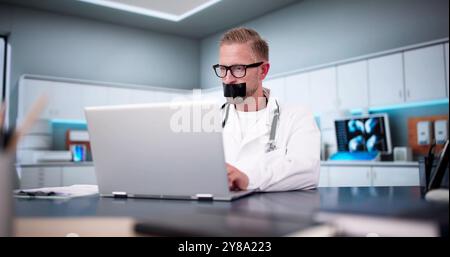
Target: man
x,y
289,159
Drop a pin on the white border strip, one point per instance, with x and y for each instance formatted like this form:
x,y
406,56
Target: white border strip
x,y
8,79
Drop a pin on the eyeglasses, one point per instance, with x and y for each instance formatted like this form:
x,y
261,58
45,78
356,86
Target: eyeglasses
x,y
238,70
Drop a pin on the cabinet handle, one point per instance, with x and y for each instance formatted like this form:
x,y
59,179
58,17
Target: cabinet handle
x,y
407,93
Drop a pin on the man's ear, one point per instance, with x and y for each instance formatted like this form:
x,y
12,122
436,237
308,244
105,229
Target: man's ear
x,y
264,70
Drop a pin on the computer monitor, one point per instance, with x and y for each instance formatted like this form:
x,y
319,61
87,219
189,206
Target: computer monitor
x,y
368,133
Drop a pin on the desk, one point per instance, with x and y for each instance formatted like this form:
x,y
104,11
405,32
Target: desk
x,y
260,214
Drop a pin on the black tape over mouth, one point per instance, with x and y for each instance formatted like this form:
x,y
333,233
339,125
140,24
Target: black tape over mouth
x,y
234,90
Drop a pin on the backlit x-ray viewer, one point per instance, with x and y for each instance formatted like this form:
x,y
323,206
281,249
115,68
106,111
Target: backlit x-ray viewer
x,y
362,137
364,134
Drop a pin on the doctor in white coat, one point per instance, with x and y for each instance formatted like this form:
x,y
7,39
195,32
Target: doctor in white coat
x,y
268,146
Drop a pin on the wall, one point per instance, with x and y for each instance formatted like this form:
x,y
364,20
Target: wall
x,y
315,32
51,44
398,119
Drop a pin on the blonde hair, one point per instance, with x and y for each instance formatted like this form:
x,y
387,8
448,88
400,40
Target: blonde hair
x,y
243,35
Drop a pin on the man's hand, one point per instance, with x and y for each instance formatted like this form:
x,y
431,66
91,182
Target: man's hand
x,y
237,180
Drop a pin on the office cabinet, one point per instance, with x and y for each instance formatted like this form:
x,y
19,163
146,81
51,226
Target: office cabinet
x,y
297,89
93,96
36,177
141,96
276,87
352,85
323,90
84,175
160,97
67,100
369,175
63,99
395,176
349,176
425,73
118,96
29,94
386,81
324,177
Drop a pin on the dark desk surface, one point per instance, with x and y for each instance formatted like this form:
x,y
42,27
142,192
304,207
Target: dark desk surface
x,y
264,214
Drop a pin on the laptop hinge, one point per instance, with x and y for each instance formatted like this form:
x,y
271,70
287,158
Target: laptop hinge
x,y
204,197
120,194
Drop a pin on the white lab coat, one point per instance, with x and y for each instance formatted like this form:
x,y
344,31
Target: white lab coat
x,y
294,164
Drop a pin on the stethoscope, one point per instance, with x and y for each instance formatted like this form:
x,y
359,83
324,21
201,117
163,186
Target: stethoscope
x,y
270,146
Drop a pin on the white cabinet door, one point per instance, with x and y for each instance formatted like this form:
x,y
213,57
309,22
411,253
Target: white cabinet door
x,y
297,90
141,96
36,177
29,93
29,178
349,176
425,73
118,96
65,100
386,81
276,87
352,85
93,96
182,97
323,90
324,177
446,67
395,176
52,176
162,97
79,175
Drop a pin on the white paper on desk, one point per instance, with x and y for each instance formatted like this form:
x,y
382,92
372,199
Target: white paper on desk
x,y
61,192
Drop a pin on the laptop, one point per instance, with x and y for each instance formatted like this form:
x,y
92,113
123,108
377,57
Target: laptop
x,y
161,150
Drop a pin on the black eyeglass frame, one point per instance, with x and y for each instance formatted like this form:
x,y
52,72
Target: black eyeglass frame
x,y
228,68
